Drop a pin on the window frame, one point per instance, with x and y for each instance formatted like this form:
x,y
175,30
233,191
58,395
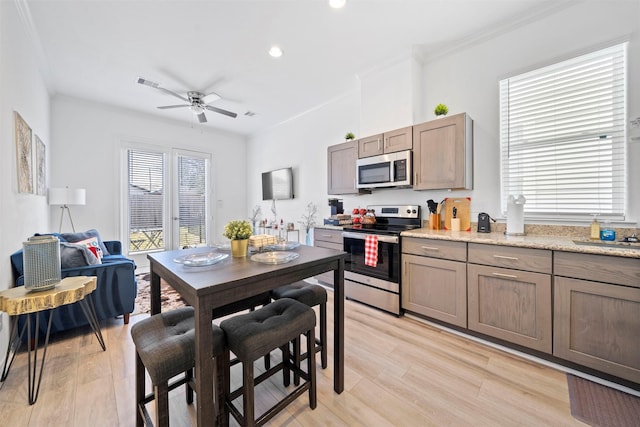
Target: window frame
x,y
619,141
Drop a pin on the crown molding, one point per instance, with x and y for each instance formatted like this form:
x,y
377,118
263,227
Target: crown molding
x,y
24,13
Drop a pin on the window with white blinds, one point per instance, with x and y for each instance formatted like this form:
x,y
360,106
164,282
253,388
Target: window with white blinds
x,y
562,137
146,177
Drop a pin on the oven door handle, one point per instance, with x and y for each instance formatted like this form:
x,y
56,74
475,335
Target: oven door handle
x,y
362,236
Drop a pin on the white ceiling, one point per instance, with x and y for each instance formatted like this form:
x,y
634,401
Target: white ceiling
x,y
96,49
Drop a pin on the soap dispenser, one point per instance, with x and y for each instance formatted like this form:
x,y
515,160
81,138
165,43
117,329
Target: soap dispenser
x,y
595,228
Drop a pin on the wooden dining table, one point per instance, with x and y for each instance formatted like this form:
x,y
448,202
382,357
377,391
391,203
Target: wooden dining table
x,y
206,288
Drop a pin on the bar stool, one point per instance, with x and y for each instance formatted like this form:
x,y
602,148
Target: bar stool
x,y
165,347
255,334
310,295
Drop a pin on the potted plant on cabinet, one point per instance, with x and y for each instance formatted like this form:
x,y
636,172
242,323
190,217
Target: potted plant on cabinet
x,y
441,110
349,136
238,232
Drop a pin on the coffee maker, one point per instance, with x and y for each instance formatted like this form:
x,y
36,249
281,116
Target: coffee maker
x,y
336,206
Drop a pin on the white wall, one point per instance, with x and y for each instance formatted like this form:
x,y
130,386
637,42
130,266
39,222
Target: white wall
x,y
22,89
301,143
467,81
89,140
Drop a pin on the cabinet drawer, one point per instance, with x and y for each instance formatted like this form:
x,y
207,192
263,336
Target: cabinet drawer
x,y
446,249
325,235
536,260
599,268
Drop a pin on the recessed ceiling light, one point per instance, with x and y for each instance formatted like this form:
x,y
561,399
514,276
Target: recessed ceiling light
x,y
275,51
337,4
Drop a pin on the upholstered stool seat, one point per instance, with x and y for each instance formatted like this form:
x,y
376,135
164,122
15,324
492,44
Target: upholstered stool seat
x,y
165,347
252,335
310,295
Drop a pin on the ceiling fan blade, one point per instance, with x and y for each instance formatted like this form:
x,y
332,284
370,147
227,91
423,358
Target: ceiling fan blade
x,y
146,82
165,107
221,111
202,118
211,97
155,85
168,92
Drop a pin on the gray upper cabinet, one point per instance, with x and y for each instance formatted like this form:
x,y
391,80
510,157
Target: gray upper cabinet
x,y
443,153
341,168
388,142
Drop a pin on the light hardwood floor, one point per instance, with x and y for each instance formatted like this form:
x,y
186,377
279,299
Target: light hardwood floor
x,y
399,372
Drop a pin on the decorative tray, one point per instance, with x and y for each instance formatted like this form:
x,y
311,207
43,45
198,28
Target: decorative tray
x,y
201,260
284,246
277,257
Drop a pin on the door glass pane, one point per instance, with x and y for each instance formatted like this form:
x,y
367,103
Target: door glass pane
x,y
192,200
146,201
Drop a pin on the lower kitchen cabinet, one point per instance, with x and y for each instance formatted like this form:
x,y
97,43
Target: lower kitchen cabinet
x,y
434,279
436,288
597,313
330,239
511,305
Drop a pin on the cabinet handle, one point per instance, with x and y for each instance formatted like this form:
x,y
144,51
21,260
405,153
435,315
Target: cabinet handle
x,y
378,144
385,142
511,276
430,248
327,236
510,258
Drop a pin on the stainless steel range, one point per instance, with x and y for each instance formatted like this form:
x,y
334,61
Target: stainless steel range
x,y
378,283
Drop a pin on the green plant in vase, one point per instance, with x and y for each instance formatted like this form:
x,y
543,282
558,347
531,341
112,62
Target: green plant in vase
x,y
349,136
238,232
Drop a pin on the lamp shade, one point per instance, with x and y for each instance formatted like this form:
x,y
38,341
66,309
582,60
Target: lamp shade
x,y
67,196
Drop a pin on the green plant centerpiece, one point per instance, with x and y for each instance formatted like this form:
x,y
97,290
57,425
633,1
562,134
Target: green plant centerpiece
x,y
238,232
441,110
349,136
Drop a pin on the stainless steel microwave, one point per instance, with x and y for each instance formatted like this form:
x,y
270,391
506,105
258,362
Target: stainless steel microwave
x,y
386,170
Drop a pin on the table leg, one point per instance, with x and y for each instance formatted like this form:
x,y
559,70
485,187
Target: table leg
x,y
89,311
14,345
204,371
34,385
155,293
338,325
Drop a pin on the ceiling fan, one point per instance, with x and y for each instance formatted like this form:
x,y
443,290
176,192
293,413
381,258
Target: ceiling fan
x,y
197,101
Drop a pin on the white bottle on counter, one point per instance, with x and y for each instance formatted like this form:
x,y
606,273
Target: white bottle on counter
x,y
515,215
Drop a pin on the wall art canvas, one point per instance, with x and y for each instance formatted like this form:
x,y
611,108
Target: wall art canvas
x,y
41,167
23,152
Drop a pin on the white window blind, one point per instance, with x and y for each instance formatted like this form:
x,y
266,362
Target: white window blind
x,y
193,175
146,200
562,136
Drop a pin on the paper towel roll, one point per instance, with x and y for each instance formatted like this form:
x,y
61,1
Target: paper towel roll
x,y
455,224
515,215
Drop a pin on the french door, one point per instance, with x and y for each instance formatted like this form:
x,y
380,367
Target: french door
x,y
168,199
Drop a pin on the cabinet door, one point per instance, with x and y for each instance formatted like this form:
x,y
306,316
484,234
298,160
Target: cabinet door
x,y
598,325
398,140
443,154
436,288
341,168
370,146
511,305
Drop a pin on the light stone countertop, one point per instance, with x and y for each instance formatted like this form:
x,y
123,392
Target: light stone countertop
x,y
550,242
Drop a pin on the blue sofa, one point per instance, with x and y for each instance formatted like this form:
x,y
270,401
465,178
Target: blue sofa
x,y
115,292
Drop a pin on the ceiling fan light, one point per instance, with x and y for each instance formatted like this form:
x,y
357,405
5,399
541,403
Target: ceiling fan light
x,y
337,4
196,109
275,52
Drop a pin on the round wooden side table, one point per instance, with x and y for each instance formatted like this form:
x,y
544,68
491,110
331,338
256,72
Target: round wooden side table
x,y
17,301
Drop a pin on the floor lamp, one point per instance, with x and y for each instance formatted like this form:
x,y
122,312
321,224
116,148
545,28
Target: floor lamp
x,y
65,197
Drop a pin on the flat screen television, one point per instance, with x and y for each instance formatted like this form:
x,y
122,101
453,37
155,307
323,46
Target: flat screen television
x,y
277,184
